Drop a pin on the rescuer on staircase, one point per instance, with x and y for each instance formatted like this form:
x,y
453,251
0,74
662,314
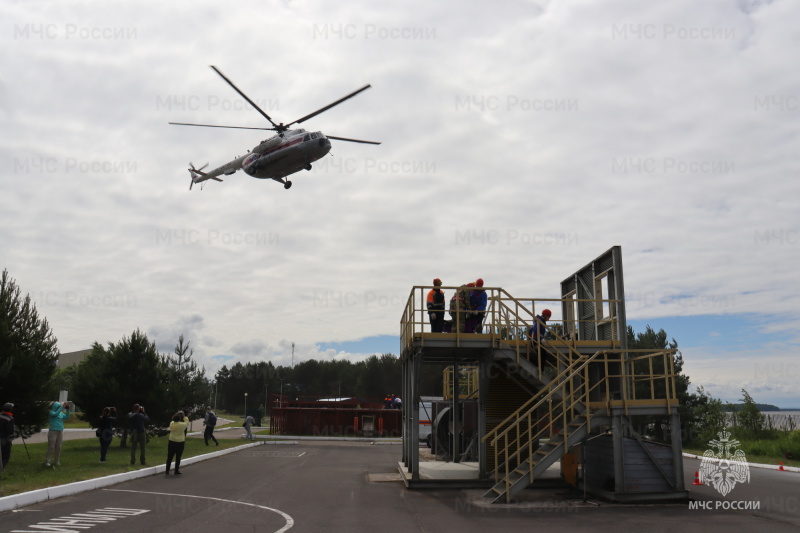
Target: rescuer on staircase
x,y
536,334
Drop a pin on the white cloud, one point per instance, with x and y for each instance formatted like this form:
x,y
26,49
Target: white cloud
x,y
557,129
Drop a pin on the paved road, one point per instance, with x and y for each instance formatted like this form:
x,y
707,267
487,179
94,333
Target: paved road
x,y
334,487
777,493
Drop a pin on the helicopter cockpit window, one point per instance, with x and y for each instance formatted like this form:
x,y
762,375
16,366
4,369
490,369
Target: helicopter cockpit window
x,y
313,136
306,137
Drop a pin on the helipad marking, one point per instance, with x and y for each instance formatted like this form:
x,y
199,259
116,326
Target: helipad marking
x,y
289,519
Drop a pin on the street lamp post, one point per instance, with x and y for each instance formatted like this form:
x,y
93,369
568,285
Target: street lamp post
x,y
245,405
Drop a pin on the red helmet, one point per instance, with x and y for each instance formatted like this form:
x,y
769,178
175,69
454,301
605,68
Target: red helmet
x,y
470,284
437,281
479,282
546,313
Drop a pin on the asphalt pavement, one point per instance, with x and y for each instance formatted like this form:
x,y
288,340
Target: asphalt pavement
x,y
340,486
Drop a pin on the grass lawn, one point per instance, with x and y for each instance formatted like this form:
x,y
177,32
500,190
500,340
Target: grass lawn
x,y
73,422
80,460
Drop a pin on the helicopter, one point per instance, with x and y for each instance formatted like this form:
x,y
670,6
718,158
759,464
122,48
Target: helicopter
x,y
283,154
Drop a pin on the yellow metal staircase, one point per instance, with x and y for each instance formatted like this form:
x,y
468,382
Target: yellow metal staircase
x,y
530,440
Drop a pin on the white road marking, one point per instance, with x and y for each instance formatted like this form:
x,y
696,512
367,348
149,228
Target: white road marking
x,y
289,519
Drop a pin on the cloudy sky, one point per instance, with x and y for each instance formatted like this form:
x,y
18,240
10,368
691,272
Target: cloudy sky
x,y
520,140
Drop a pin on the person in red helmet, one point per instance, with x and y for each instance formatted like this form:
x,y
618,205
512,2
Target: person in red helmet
x,y
478,301
537,331
435,305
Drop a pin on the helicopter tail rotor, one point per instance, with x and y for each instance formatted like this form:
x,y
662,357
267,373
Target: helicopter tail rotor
x,y
196,173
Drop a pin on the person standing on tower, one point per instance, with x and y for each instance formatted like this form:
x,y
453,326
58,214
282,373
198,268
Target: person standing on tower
x,y
435,305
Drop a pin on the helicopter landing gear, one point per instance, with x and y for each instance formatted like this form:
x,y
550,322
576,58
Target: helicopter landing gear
x,y
308,166
287,184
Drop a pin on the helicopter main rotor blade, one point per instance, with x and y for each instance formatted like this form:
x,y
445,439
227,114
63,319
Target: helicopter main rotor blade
x,y
214,126
350,140
322,110
235,88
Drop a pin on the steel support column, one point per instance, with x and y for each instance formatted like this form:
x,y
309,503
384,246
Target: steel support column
x,y
677,449
456,417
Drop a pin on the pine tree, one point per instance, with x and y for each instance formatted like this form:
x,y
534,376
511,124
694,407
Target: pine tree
x,y
28,357
130,371
187,386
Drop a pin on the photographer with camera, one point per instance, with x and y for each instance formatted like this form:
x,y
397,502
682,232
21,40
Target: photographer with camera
x,y
177,440
55,433
105,430
138,420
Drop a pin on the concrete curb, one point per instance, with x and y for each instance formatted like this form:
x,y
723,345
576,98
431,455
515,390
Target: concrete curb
x,y
751,465
385,440
23,499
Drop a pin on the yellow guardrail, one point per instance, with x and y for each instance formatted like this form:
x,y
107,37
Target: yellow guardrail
x,y
645,377
506,318
467,382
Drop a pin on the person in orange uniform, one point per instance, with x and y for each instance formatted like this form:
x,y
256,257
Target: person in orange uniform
x,y
436,306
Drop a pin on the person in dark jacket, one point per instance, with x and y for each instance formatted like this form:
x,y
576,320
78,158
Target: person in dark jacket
x,y
536,333
210,422
248,424
105,430
478,301
6,434
138,420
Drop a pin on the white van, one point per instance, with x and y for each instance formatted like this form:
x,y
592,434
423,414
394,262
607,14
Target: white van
x,y
425,417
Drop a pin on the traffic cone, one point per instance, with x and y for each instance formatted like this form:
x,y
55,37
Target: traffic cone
x,y
697,478
780,467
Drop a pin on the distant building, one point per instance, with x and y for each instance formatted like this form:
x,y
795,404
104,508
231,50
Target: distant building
x,y
72,358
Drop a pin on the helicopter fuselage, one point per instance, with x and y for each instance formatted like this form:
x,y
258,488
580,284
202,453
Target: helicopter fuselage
x,y
278,157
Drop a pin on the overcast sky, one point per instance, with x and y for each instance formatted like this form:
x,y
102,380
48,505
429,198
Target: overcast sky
x,y
520,141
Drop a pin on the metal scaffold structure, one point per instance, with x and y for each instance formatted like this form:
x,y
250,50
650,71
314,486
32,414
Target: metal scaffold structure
x,y
576,394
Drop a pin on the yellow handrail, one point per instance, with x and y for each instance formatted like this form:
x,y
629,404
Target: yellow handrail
x,y
516,431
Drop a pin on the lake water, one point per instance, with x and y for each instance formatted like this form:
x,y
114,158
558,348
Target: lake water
x,y
783,419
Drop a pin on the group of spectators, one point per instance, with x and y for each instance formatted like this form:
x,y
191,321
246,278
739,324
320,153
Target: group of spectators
x,y
137,423
390,401
58,413
467,308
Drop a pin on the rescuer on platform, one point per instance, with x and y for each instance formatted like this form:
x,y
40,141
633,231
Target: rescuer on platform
x,y
436,306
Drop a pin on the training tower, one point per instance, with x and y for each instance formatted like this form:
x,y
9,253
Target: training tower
x,y
580,397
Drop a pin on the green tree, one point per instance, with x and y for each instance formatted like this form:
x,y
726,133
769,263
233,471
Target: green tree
x,y
750,421
28,357
186,385
127,372
63,378
380,376
706,417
